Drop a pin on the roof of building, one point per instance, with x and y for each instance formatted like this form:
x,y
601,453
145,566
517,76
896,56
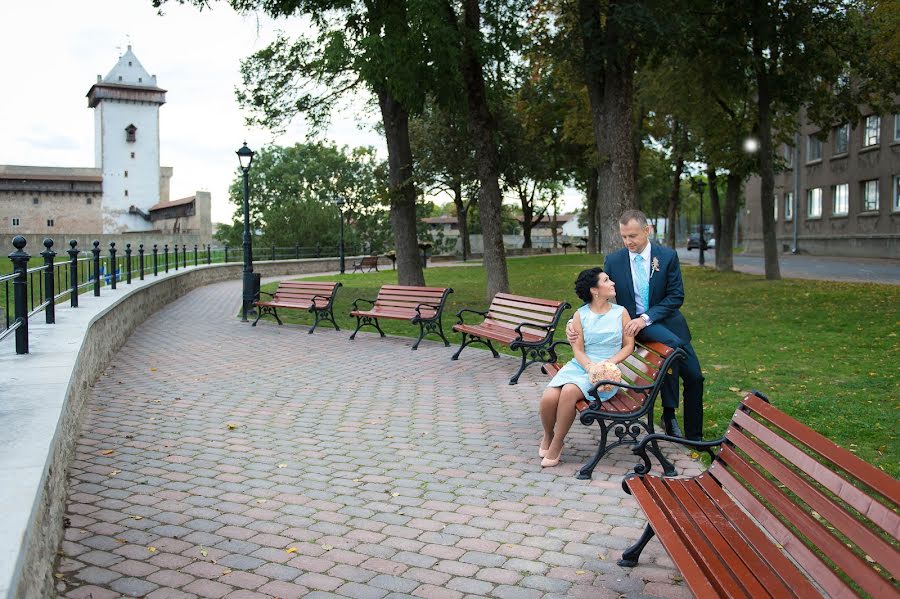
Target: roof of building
x,y
128,80
547,218
129,71
172,203
49,173
439,220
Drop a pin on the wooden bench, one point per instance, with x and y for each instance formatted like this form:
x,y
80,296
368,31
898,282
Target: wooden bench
x,y
418,305
525,323
370,262
628,414
313,296
781,512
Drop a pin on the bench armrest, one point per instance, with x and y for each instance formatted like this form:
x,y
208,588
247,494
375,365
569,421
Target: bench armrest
x,y
533,325
327,299
643,467
267,293
552,349
362,299
437,309
621,385
460,313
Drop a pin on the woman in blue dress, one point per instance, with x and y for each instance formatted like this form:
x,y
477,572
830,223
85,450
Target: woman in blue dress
x,y
600,326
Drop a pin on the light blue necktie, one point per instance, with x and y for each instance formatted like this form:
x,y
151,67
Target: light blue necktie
x,y
643,283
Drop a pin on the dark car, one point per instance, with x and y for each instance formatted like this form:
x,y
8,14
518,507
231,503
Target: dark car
x,y
694,242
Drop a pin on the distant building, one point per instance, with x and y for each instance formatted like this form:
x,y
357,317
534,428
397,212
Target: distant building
x,y
567,226
849,201
127,191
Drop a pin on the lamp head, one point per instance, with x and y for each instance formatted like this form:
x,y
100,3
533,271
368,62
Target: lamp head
x,y
245,157
751,145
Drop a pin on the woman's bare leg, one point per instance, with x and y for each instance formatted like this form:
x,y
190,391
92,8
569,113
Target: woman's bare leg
x,y
565,416
549,407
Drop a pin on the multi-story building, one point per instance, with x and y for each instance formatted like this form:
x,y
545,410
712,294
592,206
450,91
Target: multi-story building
x,y
127,191
849,192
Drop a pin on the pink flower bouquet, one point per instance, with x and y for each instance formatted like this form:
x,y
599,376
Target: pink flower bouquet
x,y
604,371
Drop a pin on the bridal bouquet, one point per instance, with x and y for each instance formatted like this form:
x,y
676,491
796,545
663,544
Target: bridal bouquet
x,y
604,371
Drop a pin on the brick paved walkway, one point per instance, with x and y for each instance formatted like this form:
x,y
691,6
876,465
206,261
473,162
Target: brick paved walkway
x,y
220,460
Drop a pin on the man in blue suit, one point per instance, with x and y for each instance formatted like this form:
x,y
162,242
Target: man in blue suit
x,y
649,286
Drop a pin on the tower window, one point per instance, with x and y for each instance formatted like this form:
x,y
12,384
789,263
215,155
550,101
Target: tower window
x,y
126,193
15,222
49,222
140,79
35,201
90,200
130,133
132,154
129,63
120,77
126,174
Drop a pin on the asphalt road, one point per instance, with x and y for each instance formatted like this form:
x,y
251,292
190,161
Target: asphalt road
x,y
864,270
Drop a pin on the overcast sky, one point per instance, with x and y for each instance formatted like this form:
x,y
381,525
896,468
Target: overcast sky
x,y
53,51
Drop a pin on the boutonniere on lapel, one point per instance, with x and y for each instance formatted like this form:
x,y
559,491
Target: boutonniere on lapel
x,y
654,266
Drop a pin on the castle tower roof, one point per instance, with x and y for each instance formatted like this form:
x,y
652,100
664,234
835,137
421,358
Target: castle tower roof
x,y
129,81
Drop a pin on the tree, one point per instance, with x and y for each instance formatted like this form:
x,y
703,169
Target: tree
x,y
294,192
394,49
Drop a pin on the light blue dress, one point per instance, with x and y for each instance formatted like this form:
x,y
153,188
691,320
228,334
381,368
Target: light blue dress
x,y
602,340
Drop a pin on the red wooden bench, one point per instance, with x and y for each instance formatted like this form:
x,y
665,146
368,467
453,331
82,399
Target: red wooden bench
x,y
370,262
629,413
525,323
313,296
418,305
781,512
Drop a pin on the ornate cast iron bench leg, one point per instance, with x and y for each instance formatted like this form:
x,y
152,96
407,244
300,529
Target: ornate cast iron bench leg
x,y
323,316
632,554
469,339
587,470
362,321
266,310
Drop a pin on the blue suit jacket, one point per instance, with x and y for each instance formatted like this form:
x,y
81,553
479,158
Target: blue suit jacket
x,y
666,288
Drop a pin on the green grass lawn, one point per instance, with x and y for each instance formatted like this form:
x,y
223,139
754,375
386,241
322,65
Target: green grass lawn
x,y
824,352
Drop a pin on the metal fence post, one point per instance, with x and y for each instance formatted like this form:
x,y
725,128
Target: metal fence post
x,y
73,271
208,254
297,251
49,282
175,252
96,252
112,264
195,255
184,255
141,260
166,256
155,260
19,260
226,253
318,251
273,252
128,263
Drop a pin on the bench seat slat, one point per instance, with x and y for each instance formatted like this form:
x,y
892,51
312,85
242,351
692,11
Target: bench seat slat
x,y
287,304
501,334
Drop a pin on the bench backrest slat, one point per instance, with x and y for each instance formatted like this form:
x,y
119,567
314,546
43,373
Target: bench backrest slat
x,y
301,292
509,311
399,298
808,492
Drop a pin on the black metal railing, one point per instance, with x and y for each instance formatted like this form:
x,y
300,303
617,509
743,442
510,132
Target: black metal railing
x,y
28,289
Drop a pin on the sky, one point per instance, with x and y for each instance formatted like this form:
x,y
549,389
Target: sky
x,y
49,64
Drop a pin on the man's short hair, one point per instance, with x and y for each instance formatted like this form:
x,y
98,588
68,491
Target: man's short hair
x,y
630,215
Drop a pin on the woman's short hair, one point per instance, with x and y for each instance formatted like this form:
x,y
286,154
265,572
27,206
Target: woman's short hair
x,y
587,280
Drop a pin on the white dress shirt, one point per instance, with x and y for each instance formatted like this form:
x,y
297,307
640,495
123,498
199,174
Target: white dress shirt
x,y
640,271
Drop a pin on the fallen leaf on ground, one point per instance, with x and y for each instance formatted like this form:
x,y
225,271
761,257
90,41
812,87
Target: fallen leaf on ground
x,y
137,517
204,552
226,571
580,572
231,426
151,549
282,465
327,547
114,472
108,452
152,370
291,550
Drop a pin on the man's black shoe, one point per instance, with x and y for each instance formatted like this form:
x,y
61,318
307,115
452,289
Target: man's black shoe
x,y
670,425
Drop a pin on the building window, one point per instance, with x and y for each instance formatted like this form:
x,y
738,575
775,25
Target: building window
x,y
788,156
15,221
49,222
814,202
897,127
842,139
896,193
870,195
90,200
813,148
840,195
872,134
789,205
130,133
126,174
132,154
35,201
126,193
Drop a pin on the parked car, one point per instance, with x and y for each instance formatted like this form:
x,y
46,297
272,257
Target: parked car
x,y
709,243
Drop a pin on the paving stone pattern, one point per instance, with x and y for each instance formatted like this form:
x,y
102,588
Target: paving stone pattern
x,y
219,460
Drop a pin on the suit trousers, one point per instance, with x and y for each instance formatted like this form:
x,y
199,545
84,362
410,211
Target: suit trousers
x,y
688,370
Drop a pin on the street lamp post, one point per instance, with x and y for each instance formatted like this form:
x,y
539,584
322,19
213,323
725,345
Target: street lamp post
x,y
339,202
245,158
699,186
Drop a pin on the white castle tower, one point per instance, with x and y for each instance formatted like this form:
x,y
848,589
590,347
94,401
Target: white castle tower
x,y
126,144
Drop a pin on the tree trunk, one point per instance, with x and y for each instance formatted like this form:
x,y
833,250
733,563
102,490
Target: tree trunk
x,y
638,145
715,207
766,166
483,130
403,194
553,225
462,219
617,173
675,194
527,215
725,240
592,243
